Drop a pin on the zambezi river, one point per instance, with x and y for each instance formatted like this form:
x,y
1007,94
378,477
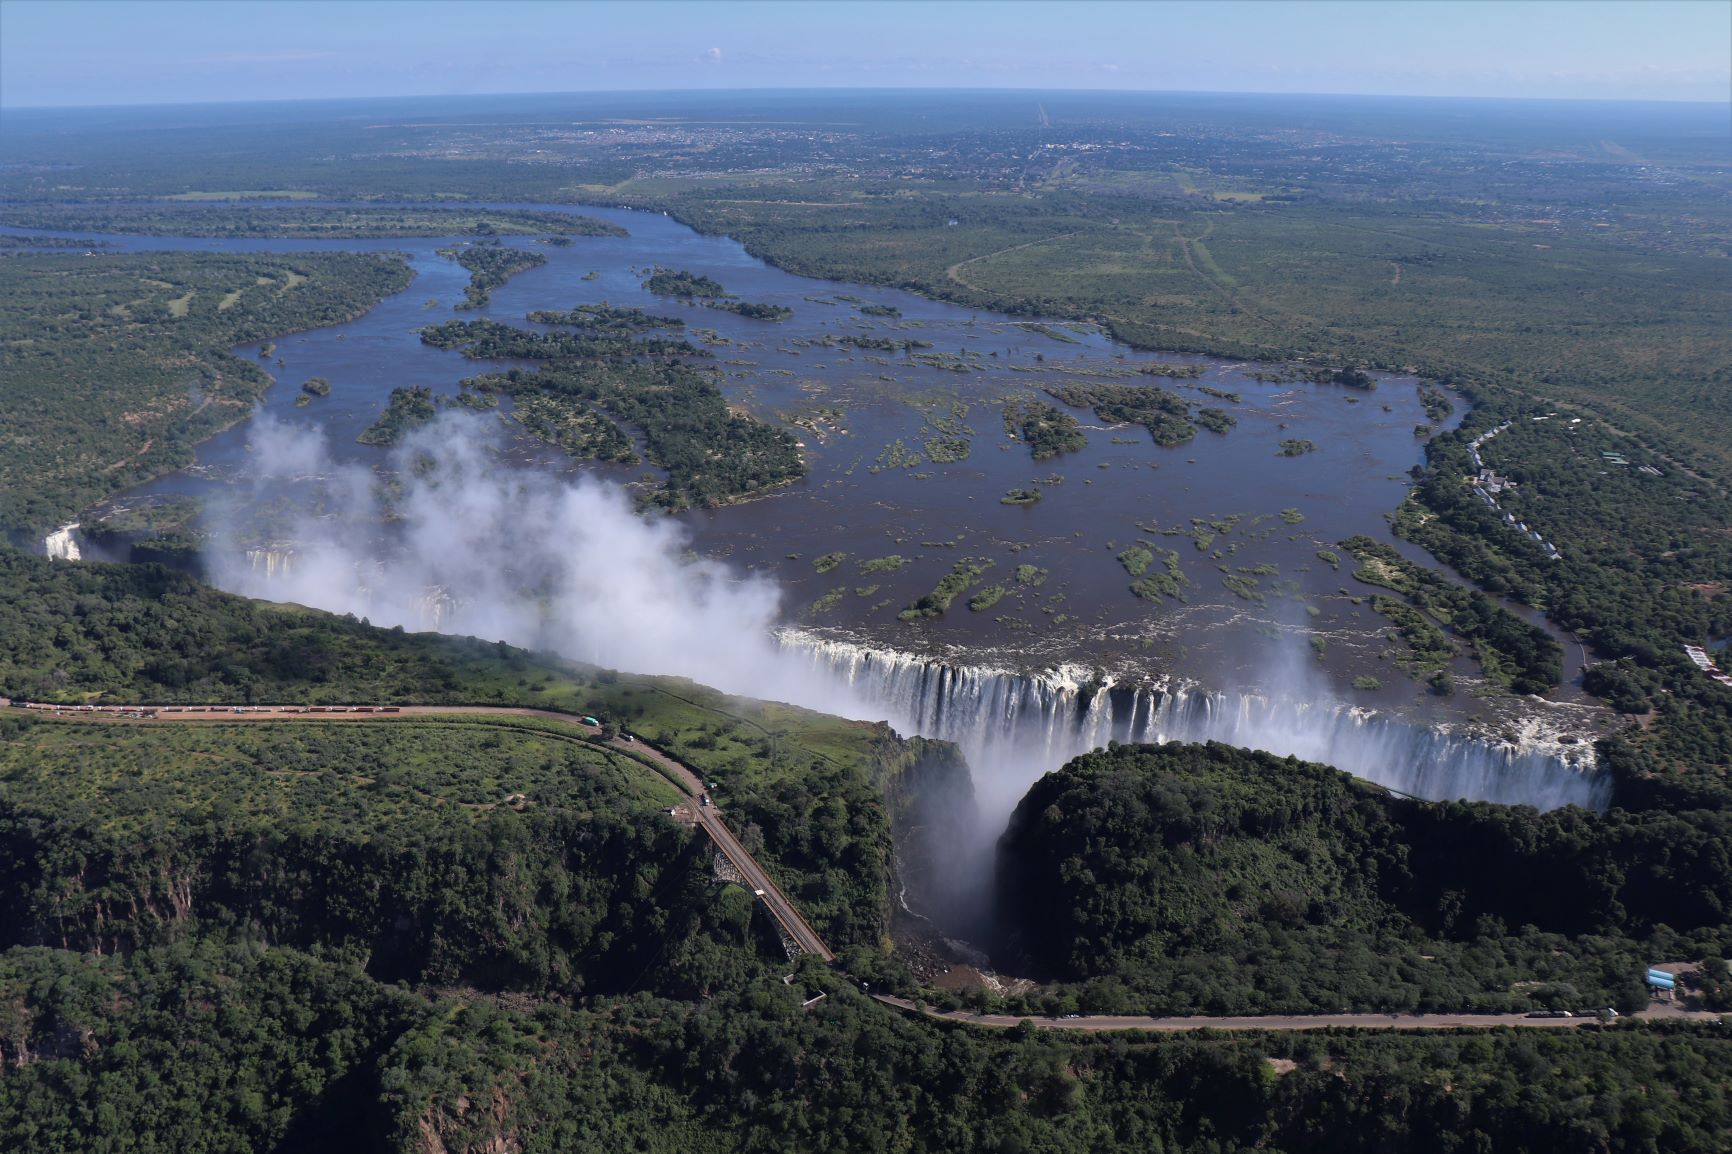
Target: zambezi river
x,y
1269,642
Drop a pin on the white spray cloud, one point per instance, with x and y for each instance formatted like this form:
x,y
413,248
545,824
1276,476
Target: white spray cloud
x,y
283,451
469,545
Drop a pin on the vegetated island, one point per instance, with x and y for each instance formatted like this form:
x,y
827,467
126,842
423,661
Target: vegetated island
x,y
1165,414
1046,429
591,378
606,319
1151,583
664,282
752,310
406,410
688,286
951,586
490,265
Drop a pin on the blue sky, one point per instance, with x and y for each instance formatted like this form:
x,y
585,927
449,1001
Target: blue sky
x,y
66,52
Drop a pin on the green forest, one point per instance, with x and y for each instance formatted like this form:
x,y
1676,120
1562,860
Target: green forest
x,y
466,934
493,862
116,365
213,1044
1209,879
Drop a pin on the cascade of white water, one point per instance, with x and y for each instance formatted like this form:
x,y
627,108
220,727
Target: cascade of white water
x,y
60,545
434,607
271,562
1016,726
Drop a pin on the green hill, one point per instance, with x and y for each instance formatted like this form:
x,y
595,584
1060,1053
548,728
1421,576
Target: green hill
x,y
1212,879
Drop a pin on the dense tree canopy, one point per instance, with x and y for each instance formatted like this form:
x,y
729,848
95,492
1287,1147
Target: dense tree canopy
x,y
1208,878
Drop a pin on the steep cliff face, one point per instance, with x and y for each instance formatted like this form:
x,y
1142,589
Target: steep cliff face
x,y
543,902
919,772
940,862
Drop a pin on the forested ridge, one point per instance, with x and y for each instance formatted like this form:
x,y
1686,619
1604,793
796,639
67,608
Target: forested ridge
x,y
1209,879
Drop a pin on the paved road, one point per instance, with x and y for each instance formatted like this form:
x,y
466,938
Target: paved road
x,y
709,817
1106,1022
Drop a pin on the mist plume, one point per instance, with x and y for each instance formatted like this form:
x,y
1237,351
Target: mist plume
x,y
448,537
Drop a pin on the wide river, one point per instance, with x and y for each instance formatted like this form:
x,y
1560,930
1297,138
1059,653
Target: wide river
x,y
1248,523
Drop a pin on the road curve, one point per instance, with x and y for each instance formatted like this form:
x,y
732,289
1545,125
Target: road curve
x,y
1099,1023
709,816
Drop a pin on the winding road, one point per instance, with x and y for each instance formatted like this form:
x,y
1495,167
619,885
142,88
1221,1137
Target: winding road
x,y
788,917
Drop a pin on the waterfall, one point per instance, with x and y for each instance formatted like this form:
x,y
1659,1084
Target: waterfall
x,y
434,607
272,561
271,572
61,545
1015,726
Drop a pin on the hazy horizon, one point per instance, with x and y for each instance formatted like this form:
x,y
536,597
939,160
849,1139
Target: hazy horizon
x,y
864,91
97,53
